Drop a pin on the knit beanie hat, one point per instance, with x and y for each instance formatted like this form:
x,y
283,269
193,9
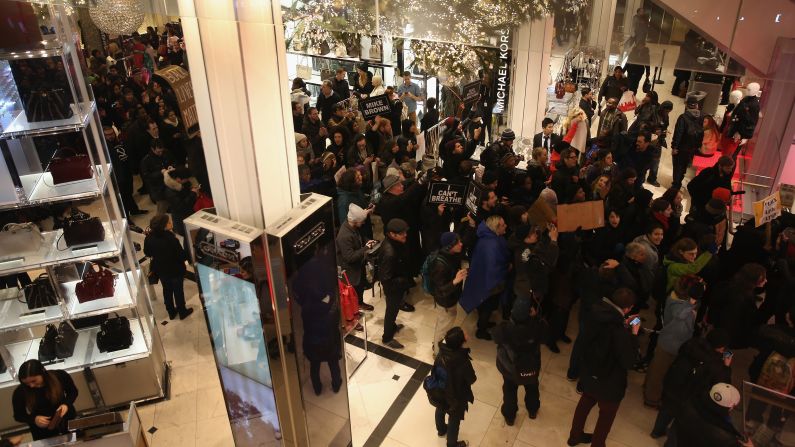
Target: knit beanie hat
x,y
507,134
356,213
725,395
722,194
448,239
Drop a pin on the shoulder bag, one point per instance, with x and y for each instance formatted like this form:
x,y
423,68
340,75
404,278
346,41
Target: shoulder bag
x,y
20,238
70,167
114,334
65,341
47,105
349,300
82,229
96,284
40,293
47,344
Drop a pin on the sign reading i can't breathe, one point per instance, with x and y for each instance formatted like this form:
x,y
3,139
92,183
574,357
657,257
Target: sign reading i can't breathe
x,y
470,92
447,193
375,106
767,209
474,196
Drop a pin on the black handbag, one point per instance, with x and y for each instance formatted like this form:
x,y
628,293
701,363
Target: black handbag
x,y
646,85
65,341
40,293
114,334
47,105
3,367
47,344
82,229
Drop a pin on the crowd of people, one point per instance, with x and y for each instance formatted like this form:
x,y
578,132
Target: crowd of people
x,y
660,289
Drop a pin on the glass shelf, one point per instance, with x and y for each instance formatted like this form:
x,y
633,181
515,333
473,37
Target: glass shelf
x,y
121,299
39,189
14,314
86,352
52,253
370,62
20,127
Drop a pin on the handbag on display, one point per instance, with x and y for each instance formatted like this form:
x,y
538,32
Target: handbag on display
x,y
376,50
82,229
114,334
65,341
70,168
303,71
96,284
569,87
20,238
560,90
47,105
47,344
349,300
340,50
40,293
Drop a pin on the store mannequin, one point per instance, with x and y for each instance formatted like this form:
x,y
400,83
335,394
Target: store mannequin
x,y
366,43
746,114
727,144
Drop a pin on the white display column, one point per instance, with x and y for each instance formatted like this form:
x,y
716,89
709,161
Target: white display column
x,y
532,49
238,68
600,28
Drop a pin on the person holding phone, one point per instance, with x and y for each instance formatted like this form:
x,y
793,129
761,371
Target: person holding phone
x,y
352,249
44,400
610,350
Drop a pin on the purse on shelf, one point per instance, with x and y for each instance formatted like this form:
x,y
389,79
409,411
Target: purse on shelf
x,y
47,344
69,166
560,90
82,229
569,87
114,334
20,238
96,284
40,293
47,105
57,342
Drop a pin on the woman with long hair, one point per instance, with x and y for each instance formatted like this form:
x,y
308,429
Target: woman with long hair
x,y
44,400
709,144
168,263
350,190
575,129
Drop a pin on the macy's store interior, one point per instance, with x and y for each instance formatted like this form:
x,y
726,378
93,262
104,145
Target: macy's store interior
x,y
272,353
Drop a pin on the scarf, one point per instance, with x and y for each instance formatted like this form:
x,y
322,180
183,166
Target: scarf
x,y
660,217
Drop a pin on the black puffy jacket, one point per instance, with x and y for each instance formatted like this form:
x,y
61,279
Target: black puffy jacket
x,y
688,133
460,377
702,423
393,267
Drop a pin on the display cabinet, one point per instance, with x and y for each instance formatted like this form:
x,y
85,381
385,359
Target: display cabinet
x,y
71,289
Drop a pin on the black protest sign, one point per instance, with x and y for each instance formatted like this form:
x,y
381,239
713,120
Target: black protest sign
x,y
474,196
375,106
470,92
450,194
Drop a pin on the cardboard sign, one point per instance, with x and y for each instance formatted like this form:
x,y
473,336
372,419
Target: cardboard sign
x,y
540,213
787,195
585,215
179,80
375,106
767,209
451,194
470,92
474,196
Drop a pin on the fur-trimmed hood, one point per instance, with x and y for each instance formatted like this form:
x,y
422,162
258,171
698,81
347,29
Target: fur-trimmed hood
x,y
170,182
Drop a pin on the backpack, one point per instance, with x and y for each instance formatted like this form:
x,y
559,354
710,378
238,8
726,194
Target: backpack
x,y
427,285
436,384
526,363
778,373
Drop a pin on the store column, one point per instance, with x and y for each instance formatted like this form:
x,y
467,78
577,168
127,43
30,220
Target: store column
x,y
237,60
532,51
600,29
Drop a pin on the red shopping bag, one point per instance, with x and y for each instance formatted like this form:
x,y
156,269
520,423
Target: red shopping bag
x,y
349,300
202,201
627,102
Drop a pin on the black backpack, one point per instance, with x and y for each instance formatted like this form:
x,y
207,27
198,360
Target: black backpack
x,y
526,363
435,385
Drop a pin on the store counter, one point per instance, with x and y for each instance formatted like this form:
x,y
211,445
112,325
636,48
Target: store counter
x,y
127,433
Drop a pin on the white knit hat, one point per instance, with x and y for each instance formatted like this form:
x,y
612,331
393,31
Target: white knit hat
x,y
356,213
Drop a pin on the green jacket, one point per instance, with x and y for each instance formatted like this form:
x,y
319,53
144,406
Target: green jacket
x,y
678,269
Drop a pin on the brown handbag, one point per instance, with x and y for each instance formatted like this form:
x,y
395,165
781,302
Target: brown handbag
x,y
82,229
569,87
70,168
96,284
560,90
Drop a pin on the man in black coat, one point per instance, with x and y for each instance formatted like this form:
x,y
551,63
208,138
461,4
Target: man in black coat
x,y
393,272
156,162
404,203
181,196
538,170
612,349
566,180
352,250
705,421
519,357
587,104
702,185
122,169
547,138
613,86
490,158
326,100
688,135
640,157
446,281
340,84
455,360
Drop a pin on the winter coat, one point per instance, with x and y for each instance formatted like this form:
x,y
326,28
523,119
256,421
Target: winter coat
x,y
181,199
610,350
696,368
344,200
703,423
679,319
312,131
351,252
652,252
740,316
688,133
676,269
460,377
540,174
522,338
488,271
612,88
433,225
442,272
533,263
152,174
563,184
404,206
341,88
324,105
168,256
702,185
393,267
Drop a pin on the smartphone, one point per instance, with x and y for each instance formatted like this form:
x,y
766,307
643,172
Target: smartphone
x,y
727,354
635,321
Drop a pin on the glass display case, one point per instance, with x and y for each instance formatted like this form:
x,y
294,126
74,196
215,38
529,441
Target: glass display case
x,y
72,294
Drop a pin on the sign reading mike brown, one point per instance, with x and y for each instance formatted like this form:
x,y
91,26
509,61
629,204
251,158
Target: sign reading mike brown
x,y
179,80
375,106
